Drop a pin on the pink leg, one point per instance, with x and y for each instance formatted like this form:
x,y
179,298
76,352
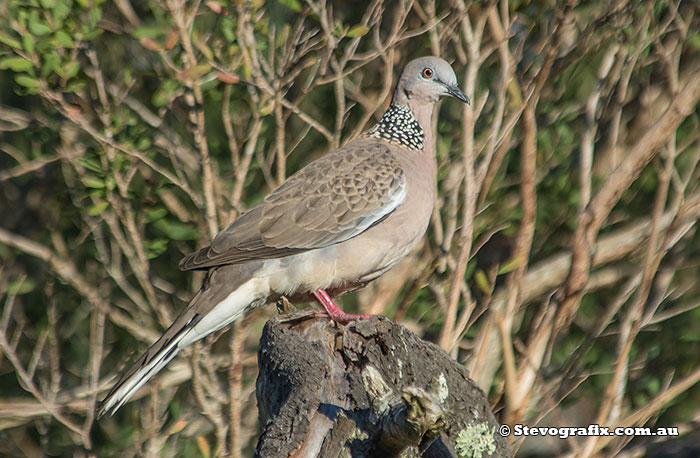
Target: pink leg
x,y
333,310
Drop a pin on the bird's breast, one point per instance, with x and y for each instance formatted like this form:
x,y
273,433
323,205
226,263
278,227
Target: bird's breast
x,y
351,264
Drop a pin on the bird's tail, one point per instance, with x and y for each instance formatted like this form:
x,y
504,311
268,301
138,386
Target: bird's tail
x,y
226,294
150,363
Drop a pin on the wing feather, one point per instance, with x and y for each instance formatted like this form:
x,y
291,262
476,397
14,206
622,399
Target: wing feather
x,y
331,200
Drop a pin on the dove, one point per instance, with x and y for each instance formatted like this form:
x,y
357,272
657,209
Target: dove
x,y
332,227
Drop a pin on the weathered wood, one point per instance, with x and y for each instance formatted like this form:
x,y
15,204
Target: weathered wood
x,y
368,389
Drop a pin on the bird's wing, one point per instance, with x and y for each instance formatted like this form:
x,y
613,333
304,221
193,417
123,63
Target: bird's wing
x,y
329,201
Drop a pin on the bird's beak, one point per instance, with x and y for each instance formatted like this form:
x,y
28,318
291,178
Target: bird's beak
x,y
457,93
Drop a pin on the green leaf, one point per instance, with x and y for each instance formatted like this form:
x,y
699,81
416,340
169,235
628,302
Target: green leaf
x,y
358,31
61,11
228,28
63,39
694,41
74,86
90,164
9,41
516,96
98,208
28,43
196,72
160,98
510,265
87,36
93,182
18,288
149,31
206,50
175,230
155,214
167,91
482,282
71,70
48,4
293,5
27,81
38,28
143,143
22,18
52,63
155,248
111,182
266,109
94,16
339,29
16,63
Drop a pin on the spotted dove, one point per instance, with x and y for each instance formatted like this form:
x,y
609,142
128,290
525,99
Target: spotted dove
x,y
338,223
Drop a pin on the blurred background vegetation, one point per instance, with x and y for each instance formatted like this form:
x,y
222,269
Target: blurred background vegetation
x,y
560,268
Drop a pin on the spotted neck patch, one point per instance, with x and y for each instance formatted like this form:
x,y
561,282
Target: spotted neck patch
x,y
398,125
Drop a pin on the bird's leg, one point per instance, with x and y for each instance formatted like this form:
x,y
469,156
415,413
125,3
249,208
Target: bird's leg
x,y
333,310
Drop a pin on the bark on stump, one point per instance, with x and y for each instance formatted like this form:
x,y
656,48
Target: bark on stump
x,y
368,389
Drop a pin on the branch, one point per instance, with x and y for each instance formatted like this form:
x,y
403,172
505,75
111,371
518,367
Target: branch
x,y
371,388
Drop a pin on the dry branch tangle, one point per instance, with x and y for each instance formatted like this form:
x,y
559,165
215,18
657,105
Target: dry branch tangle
x,y
371,388
637,157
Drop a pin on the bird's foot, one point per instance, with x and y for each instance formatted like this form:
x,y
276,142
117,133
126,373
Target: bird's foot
x,y
284,307
333,311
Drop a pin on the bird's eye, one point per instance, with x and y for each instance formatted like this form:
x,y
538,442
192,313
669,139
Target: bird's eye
x,y
427,72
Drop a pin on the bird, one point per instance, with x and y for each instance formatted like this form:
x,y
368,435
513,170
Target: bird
x,y
335,225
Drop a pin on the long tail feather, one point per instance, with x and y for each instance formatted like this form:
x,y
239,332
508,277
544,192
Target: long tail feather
x,y
148,365
225,295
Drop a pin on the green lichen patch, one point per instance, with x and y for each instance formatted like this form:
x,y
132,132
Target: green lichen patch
x,y
475,441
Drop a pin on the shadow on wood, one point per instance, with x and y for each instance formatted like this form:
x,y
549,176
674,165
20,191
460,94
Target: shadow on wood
x,y
368,389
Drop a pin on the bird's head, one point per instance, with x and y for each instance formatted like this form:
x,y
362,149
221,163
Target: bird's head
x,y
426,80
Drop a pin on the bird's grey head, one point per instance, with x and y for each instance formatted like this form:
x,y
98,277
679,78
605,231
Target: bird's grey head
x,y
426,80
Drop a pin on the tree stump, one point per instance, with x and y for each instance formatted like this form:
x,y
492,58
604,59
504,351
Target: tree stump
x,y
368,389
